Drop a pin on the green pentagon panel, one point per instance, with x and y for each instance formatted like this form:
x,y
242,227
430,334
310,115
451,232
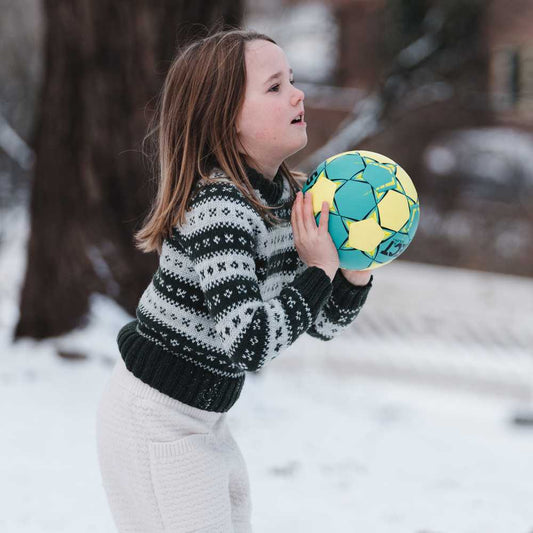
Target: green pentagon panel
x,y
354,259
344,167
381,177
415,217
411,225
354,200
336,229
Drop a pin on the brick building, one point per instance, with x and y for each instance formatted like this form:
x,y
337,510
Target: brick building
x,y
510,43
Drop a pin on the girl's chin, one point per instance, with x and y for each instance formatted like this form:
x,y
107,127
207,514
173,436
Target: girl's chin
x,y
297,148
304,143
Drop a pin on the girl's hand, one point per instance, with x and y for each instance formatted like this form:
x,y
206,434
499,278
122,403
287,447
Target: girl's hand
x,y
357,277
313,244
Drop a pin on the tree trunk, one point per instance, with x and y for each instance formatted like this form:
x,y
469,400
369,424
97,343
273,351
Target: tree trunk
x,y
105,61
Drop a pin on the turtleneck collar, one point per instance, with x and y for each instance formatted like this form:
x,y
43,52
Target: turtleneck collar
x,y
271,190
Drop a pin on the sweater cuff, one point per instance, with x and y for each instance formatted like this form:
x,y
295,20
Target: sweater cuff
x,y
347,295
315,286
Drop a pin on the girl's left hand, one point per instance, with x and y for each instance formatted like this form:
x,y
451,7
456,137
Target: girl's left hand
x,y
357,277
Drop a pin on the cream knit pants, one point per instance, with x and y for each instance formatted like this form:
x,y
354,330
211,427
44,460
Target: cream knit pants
x,y
167,466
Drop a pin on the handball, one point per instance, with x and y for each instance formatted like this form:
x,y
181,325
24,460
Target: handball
x,y
373,207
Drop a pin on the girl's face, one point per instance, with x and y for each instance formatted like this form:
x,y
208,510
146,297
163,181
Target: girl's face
x,y
271,102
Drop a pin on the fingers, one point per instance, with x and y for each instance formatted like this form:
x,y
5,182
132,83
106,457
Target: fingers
x,y
296,217
293,218
324,217
303,218
308,216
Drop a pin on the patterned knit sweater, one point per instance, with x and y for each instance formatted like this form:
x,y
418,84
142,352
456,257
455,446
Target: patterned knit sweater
x,y
229,295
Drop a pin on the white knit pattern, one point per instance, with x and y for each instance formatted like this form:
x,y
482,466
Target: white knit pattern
x,y
220,212
225,243
165,467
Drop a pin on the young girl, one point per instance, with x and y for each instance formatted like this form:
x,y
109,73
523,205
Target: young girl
x,y
243,272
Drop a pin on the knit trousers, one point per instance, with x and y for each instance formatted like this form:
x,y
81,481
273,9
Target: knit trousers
x,y
167,466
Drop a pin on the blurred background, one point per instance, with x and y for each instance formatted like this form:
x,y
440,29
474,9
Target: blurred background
x,y
420,416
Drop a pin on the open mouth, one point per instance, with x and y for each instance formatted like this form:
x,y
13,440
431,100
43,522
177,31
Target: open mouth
x,y
298,119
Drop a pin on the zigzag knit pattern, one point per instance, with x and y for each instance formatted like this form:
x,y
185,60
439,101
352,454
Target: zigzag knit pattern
x,y
229,295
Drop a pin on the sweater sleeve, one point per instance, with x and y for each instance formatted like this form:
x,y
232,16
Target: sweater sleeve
x,y
341,309
219,237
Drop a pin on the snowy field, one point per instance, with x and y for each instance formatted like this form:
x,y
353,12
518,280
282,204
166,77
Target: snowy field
x,y
403,428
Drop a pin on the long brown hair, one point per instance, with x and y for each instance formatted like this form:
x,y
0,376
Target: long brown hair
x,y
195,119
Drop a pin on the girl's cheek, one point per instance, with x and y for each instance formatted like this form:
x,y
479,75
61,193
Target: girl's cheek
x,y
263,134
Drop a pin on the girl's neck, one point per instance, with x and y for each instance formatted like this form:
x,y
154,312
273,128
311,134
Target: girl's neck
x,y
266,170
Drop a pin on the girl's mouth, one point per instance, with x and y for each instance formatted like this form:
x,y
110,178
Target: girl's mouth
x,y
299,120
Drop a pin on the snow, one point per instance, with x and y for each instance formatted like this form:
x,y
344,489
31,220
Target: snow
x,y
405,427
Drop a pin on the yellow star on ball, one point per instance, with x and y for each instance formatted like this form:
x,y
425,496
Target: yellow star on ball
x,y
323,191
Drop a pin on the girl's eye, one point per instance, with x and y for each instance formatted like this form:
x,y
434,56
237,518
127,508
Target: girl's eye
x,y
276,87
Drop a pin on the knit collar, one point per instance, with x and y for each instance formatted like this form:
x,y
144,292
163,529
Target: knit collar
x,y
271,190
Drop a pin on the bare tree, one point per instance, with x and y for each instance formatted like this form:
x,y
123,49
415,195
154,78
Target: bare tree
x,y
105,61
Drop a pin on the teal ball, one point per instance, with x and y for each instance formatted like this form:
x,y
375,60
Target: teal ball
x,y
374,207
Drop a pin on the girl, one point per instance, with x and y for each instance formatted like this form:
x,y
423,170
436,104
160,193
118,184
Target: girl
x,y
243,272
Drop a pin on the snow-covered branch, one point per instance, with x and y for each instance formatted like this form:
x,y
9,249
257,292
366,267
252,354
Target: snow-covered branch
x,y
14,146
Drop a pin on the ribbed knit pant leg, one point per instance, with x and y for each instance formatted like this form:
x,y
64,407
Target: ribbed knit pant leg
x,y
167,466
239,485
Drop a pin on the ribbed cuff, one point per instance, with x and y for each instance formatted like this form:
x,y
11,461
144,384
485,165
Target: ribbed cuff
x,y
315,286
347,295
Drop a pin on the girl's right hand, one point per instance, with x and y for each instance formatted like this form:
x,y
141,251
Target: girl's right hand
x,y
313,243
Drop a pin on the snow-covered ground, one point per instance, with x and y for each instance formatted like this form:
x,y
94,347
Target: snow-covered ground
x,y
402,424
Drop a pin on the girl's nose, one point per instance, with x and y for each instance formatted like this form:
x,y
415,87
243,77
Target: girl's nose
x,y
298,95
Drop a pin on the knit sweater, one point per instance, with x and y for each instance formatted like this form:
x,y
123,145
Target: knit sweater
x,y
229,295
